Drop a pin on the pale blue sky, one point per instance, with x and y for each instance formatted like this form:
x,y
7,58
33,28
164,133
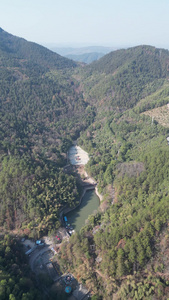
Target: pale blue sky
x,y
113,23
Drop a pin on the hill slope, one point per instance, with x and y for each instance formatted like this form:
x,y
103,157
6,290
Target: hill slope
x,y
124,77
21,52
120,252
41,110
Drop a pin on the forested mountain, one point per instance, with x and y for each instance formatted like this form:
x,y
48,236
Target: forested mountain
x,y
46,102
122,252
83,54
17,52
41,111
81,50
124,77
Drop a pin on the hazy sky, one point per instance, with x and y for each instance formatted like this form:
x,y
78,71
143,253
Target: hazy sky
x,y
116,23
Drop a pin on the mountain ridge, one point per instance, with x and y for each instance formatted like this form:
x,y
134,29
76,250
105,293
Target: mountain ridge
x,y
19,49
86,57
116,76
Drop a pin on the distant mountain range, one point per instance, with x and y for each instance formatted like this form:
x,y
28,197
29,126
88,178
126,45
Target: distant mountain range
x,y
83,54
86,57
78,51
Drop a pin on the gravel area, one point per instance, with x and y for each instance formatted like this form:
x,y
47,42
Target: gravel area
x,y
78,156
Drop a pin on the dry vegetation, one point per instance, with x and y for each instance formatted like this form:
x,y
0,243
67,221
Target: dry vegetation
x,y
160,114
130,168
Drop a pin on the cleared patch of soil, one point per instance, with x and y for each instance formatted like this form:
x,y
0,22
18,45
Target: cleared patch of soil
x,y
130,168
160,114
78,156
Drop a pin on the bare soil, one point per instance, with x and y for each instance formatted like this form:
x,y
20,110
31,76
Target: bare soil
x,y
160,114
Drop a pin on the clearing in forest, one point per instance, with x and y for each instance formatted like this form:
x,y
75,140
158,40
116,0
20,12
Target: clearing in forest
x,y
160,114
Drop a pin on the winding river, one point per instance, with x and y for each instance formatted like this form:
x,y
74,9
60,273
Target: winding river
x,y
90,201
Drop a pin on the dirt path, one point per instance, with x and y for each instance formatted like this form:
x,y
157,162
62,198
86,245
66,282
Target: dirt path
x,y
37,253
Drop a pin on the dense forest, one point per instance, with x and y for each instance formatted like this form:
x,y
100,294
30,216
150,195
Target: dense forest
x,y
47,102
41,112
16,279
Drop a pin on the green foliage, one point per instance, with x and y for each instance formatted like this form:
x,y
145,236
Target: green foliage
x,y
16,280
124,77
149,288
16,49
130,154
40,113
35,194
43,108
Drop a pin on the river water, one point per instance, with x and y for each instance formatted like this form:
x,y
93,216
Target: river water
x,y
90,201
78,216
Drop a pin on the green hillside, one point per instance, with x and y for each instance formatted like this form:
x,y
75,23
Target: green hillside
x,y
46,102
124,77
41,111
129,160
18,52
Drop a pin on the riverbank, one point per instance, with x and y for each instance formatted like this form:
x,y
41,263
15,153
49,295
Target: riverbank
x,y
100,196
69,209
92,186
90,180
76,156
79,158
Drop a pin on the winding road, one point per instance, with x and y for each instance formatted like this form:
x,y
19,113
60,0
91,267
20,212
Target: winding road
x,y
38,252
